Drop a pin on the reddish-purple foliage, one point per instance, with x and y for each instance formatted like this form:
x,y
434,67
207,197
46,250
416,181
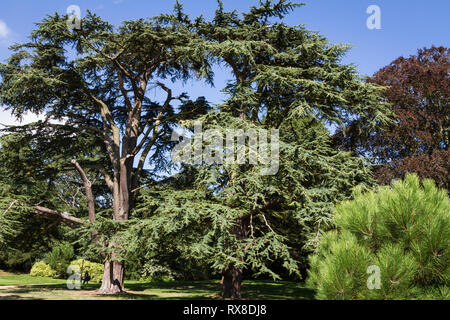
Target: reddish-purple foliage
x,y
418,88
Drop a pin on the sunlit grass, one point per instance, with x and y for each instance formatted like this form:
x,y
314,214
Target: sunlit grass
x,y
10,279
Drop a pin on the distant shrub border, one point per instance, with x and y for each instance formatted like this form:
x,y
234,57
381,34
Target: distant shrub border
x,y
390,244
95,269
41,269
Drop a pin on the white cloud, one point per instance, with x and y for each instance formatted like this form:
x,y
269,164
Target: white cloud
x,y
4,30
7,119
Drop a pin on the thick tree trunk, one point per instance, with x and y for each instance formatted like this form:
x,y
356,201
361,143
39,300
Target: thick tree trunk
x,y
232,275
112,282
231,283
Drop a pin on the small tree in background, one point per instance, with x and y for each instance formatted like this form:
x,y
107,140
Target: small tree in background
x,y
401,231
59,258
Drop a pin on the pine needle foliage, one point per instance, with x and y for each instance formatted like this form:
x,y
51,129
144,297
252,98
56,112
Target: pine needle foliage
x,y
402,229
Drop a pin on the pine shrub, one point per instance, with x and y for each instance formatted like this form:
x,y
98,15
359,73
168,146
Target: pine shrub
x,y
59,258
402,231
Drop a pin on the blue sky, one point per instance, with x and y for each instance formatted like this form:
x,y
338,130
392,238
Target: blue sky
x,y
406,25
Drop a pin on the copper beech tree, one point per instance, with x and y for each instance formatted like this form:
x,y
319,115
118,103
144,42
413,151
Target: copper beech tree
x,y
418,88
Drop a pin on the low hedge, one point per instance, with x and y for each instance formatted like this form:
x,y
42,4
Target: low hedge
x,y
95,269
41,269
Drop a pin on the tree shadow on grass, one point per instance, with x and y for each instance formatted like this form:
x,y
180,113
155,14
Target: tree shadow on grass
x,y
16,297
33,292
276,291
253,290
199,286
136,296
37,287
61,292
177,290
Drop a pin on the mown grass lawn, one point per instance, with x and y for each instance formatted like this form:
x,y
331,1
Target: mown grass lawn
x,y
22,286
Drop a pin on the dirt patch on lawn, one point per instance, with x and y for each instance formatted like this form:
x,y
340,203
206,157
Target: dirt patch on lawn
x,y
7,287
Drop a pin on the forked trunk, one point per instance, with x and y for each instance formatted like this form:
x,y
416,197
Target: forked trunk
x,y
112,282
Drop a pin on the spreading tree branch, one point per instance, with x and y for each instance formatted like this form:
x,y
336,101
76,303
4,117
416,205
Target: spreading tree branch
x,y
64,217
88,190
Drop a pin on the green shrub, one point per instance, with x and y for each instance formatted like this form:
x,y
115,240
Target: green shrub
x,y
41,269
59,258
95,269
403,231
